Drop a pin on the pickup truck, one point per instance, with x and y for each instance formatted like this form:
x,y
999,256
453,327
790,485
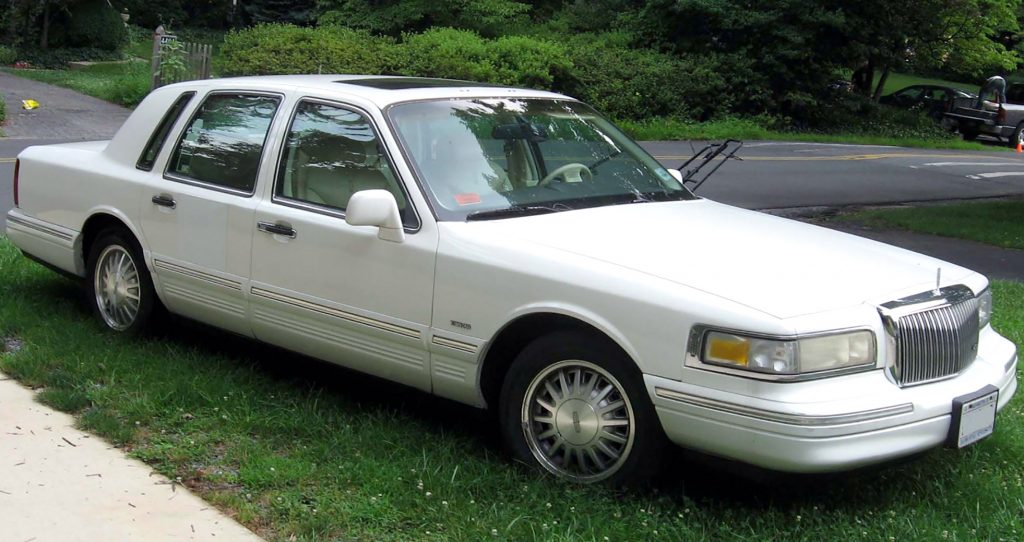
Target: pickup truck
x,y
997,111
513,250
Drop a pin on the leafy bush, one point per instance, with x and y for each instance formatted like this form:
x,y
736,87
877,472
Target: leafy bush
x,y
448,53
59,58
281,49
530,62
95,24
3,110
854,114
628,83
7,55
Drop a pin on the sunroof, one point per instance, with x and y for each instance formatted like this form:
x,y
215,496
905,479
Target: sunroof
x,y
406,83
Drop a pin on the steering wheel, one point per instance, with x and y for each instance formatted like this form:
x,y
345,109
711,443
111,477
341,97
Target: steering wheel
x,y
572,173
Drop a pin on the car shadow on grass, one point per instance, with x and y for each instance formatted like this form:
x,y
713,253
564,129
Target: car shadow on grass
x,y
689,476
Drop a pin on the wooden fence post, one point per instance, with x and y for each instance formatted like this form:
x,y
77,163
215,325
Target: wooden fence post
x,y
155,64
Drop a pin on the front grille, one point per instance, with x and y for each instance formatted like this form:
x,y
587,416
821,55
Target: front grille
x,y
936,342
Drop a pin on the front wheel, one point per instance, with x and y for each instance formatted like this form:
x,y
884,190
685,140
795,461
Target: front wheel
x,y
119,285
1016,137
576,407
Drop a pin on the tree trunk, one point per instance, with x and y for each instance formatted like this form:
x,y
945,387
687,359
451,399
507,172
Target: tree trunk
x,y
881,84
44,38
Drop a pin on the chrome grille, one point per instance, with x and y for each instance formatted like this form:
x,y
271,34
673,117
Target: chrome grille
x,y
935,337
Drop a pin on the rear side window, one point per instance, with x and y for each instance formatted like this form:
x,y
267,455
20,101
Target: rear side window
x,y
224,141
156,141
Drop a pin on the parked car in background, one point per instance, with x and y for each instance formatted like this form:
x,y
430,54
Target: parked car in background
x,y
934,100
996,111
513,250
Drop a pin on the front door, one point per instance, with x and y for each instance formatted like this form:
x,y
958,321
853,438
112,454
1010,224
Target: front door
x,y
328,289
197,214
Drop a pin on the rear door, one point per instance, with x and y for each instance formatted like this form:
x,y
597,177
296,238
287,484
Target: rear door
x,y
197,213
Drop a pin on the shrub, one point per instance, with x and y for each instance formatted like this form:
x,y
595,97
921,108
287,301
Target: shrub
x,y
3,110
530,62
281,49
628,83
95,24
448,53
7,55
461,54
855,114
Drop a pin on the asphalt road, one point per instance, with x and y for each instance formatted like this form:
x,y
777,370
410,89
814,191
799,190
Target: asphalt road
x,y
775,174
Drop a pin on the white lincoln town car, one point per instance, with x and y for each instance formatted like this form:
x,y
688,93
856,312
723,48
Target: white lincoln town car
x,y
513,250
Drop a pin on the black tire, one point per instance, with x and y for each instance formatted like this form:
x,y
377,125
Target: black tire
x,y
969,135
1016,136
561,353
115,242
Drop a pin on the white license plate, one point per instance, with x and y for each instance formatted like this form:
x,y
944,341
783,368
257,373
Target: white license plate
x,y
974,417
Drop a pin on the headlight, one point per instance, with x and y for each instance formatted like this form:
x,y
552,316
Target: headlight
x,y
789,357
985,308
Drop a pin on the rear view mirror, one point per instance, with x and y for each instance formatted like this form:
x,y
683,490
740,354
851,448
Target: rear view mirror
x,y
520,130
376,208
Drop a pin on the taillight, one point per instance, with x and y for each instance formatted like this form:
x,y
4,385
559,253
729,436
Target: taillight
x,y
17,166
1001,115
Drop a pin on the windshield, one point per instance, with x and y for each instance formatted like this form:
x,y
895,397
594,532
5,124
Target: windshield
x,y
499,157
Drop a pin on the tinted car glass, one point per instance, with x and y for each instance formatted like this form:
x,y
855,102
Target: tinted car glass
x,y
224,141
331,153
156,141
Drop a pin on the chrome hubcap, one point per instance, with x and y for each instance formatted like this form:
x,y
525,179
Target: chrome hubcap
x,y
117,287
577,421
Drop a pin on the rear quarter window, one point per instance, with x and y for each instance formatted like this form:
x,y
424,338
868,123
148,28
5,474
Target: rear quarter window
x,y
156,141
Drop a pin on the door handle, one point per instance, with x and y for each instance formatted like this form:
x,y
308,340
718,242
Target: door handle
x,y
276,229
164,200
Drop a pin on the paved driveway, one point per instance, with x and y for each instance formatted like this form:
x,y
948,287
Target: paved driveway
x,y
65,114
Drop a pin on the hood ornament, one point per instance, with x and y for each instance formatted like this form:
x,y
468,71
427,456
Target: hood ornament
x,y
938,280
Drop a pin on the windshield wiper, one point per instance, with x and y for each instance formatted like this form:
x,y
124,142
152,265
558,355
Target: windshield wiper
x,y
704,157
517,210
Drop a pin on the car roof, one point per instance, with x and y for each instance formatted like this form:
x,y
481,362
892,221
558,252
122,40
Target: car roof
x,y
383,90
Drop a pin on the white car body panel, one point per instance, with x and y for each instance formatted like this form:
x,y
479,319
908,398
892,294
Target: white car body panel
x,y
426,311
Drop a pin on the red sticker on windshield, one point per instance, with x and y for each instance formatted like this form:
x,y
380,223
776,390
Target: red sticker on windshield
x,y
467,199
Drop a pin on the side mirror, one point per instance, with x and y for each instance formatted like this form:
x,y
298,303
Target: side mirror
x,y
676,174
376,208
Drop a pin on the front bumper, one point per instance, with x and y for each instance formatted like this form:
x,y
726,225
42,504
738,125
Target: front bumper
x,y
873,422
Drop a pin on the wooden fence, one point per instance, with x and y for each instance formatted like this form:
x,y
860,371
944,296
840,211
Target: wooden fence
x,y
194,60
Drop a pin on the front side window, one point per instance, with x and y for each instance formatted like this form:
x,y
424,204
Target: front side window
x,y
492,157
223,143
331,153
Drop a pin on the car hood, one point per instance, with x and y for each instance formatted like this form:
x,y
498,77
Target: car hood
x,y
778,266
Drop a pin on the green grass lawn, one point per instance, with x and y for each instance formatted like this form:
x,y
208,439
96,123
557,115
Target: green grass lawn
x,y
294,448
998,223
896,81
120,83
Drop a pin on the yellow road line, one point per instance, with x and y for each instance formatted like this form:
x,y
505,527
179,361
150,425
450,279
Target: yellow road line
x,y
7,160
845,157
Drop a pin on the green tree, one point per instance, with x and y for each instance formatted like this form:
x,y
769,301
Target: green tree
x,y
393,17
959,35
298,12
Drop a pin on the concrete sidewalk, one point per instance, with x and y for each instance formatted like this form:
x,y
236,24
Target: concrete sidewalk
x,y
60,484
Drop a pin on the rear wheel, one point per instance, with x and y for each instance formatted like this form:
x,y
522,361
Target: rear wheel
x,y
969,135
119,286
576,407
